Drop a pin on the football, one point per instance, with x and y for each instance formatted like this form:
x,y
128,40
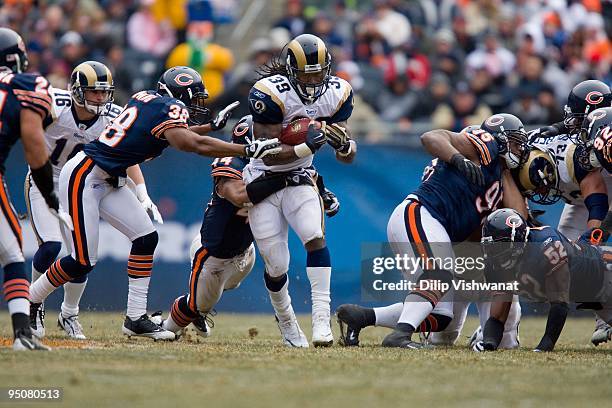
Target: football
x,y
295,132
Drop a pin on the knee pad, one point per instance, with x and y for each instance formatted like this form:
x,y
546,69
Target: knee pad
x,y
45,255
276,257
146,244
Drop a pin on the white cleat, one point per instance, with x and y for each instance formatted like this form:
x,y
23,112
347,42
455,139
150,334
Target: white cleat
x,y
25,342
293,336
71,326
37,319
322,335
602,334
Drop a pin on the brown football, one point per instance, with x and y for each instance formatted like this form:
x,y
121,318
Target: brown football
x,y
295,132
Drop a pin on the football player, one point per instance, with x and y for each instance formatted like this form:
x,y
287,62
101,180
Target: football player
x,y
92,185
461,187
576,170
78,116
548,268
222,254
25,103
298,86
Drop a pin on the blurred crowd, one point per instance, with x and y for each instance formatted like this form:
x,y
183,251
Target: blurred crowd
x,y
414,64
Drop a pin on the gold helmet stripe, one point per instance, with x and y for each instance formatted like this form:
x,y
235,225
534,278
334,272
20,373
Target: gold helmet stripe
x,y
524,172
322,50
89,72
109,76
300,56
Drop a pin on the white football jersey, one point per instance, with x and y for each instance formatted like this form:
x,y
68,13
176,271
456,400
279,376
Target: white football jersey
x,y
273,100
64,136
563,150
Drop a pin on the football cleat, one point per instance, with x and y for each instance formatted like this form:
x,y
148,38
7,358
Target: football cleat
x,y
71,326
400,339
144,327
293,336
204,323
322,335
602,334
475,337
158,319
25,341
351,319
37,319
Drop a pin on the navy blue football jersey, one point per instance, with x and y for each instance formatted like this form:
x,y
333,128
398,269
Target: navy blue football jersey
x,y
225,231
547,251
459,205
136,135
17,92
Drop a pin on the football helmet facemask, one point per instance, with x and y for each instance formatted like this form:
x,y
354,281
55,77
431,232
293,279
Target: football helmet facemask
x,y
308,66
538,177
13,56
511,137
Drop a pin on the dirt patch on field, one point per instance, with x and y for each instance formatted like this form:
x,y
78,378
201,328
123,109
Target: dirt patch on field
x,y
59,343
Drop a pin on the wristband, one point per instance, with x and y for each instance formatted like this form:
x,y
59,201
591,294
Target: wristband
x,y
302,150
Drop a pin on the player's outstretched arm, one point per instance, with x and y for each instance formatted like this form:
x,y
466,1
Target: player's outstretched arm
x,y
233,190
493,330
445,144
557,287
188,141
512,197
314,140
593,189
35,149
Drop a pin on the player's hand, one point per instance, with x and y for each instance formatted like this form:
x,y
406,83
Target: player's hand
x,y
148,204
468,169
549,131
336,136
315,138
220,120
261,148
330,203
63,217
594,236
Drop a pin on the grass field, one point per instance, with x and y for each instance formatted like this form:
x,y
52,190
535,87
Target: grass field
x,y
234,369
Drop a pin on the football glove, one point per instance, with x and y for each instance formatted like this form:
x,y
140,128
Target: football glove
x,y
315,138
330,203
594,236
220,120
336,136
261,148
147,203
63,217
468,169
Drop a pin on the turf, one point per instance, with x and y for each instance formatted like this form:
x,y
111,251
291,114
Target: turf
x,y
244,365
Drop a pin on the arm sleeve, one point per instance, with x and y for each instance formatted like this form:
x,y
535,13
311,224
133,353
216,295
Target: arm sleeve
x,y
485,145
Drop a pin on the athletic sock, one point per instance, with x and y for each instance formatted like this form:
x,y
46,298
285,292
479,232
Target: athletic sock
x,y
279,297
36,273
72,297
388,316
139,274
319,278
415,310
180,315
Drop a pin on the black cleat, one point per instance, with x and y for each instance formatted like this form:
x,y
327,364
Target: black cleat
x,y
401,339
144,327
204,323
37,319
351,319
25,341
